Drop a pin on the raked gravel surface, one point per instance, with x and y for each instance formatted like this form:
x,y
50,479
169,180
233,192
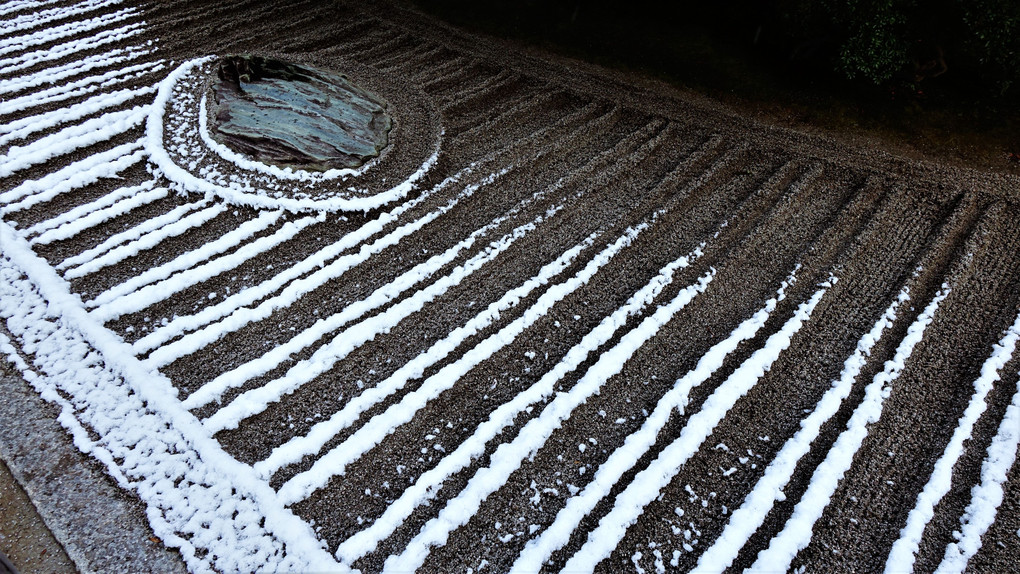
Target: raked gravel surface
x,y
569,320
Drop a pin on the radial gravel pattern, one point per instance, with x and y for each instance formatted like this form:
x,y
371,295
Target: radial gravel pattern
x,y
569,320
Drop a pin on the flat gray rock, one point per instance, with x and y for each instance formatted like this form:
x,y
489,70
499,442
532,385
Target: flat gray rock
x,y
298,116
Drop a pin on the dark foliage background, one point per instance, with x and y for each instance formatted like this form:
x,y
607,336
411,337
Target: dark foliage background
x,y
972,45
934,77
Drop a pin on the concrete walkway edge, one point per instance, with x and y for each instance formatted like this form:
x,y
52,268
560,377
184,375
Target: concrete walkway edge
x,y
102,528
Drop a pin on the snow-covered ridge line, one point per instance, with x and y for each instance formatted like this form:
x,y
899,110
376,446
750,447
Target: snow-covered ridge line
x,y
645,487
15,6
243,316
508,456
183,324
131,234
20,129
17,43
72,69
429,483
114,204
538,550
71,172
797,531
181,473
31,21
904,550
39,382
109,304
769,488
253,197
322,432
985,497
334,462
315,261
147,241
162,290
79,174
257,400
79,87
71,138
29,59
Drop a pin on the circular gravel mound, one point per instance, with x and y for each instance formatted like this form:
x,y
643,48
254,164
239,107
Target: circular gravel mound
x,y
181,143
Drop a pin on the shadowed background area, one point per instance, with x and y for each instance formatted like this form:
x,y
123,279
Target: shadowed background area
x,y
935,78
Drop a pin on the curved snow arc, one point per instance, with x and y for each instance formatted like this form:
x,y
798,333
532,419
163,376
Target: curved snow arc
x,y
252,196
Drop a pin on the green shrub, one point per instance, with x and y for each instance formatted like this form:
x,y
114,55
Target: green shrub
x,y
897,41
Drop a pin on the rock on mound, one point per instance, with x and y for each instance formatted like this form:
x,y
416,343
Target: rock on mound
x,y
296,116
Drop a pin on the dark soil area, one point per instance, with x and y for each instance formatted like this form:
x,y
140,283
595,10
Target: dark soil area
x,y
740,55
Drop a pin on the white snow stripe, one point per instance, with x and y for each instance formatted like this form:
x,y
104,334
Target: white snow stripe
x,y
30,59
901,557
106,303
218,476
186,323
131,234
538,550
70,172
137,300
242,316
71,138
336,460
645,487
20,129
257,400
797,531
905,549
79,87
79,174
60,73
30,21
322,432
429,483
147,241
986,497
756,506
11,7
314,261
508,456
73,222
79,435
17,43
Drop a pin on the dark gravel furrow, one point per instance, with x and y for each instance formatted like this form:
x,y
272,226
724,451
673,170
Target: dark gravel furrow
x,y
939,379
477,292
403,256
643,385
610,287
419,51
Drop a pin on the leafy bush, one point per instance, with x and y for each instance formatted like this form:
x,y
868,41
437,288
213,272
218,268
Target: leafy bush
x,y
993,38
907,41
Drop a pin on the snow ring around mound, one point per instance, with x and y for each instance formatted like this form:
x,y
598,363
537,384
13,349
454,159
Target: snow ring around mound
x,y
178,142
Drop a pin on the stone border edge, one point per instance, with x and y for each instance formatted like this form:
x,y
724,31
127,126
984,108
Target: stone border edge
x,y
101,527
